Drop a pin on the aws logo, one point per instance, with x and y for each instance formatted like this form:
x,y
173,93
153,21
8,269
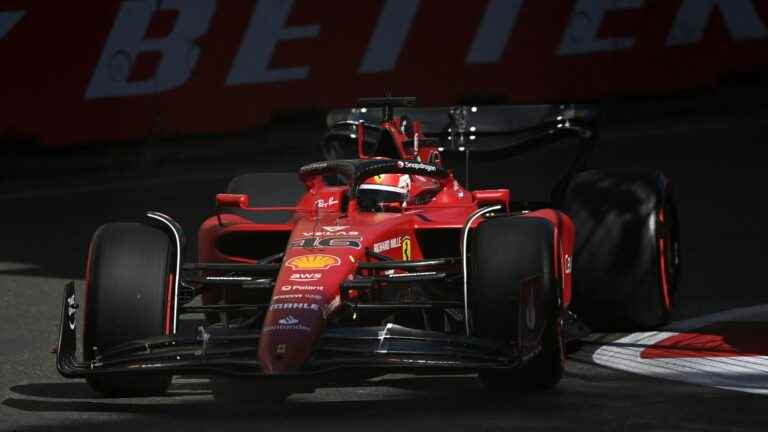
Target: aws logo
x,y
302,277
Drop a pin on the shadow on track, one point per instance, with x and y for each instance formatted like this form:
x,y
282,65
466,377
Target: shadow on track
x,y
429,403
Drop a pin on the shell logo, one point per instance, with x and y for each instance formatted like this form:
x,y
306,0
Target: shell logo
x,y
313,262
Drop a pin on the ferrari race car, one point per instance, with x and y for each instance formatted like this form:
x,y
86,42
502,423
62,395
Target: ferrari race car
x,y
381,262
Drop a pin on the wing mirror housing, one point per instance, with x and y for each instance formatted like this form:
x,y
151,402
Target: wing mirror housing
x,y
485,197
231,200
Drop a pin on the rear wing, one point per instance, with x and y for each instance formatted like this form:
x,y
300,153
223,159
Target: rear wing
x,y
480,128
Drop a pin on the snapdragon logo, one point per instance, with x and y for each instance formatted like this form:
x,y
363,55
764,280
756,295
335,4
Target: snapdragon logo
x,y
416,165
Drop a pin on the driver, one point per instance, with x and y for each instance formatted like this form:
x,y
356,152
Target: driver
x,y
377,191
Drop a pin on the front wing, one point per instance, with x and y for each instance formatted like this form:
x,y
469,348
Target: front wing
x,y
230,352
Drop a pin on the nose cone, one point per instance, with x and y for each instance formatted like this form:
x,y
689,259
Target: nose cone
x,y
289,335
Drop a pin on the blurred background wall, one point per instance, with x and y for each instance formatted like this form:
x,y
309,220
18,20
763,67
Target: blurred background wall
x,y
123,70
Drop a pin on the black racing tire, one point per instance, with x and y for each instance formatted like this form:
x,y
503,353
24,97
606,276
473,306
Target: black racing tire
x,y
511,277
130,265
626,264
266,190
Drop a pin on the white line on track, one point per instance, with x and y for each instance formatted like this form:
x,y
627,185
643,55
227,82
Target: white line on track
x,y
743,372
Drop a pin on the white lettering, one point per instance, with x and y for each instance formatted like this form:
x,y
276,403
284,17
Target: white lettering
x,y
301,288
386,245
301,277
265,31
333,234
740,17
498,21
126,41
416,165
335,228
389,36
581,36
297,296
305,306
323,204
8,20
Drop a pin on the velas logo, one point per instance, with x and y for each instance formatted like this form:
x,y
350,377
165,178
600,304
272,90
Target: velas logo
x,y
335,233
302,277
313,262
334,228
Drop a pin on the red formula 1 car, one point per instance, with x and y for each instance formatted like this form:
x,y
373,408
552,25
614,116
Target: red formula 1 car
x,y
384,263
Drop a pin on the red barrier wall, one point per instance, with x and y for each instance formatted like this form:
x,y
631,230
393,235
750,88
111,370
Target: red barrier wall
x,y
116,70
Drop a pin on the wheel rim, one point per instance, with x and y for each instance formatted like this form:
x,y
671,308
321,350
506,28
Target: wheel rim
x,y
668,246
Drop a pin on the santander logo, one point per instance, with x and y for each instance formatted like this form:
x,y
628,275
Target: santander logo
x,y
301,277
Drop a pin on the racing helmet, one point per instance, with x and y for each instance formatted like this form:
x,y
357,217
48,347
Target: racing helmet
x,y
378,190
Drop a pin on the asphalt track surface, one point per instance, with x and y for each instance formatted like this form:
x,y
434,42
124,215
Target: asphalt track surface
x,y
716,163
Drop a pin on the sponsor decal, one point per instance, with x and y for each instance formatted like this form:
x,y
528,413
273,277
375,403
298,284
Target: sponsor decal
x,y
386,245
71,312
280,348
301,288
416,165
406,248
304,277
288,296
335,228
298,326
332,201
336,233
403,242
299,306
297,296
289,320
378,179
313,262
354,242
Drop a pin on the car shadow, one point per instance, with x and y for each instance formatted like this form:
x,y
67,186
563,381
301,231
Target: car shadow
x,y
410,396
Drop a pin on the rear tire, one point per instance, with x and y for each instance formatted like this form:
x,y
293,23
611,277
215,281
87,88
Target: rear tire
x,y
129,273
516,298
626,263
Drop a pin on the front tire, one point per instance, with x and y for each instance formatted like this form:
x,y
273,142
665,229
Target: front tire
x,y
129,272
516,298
